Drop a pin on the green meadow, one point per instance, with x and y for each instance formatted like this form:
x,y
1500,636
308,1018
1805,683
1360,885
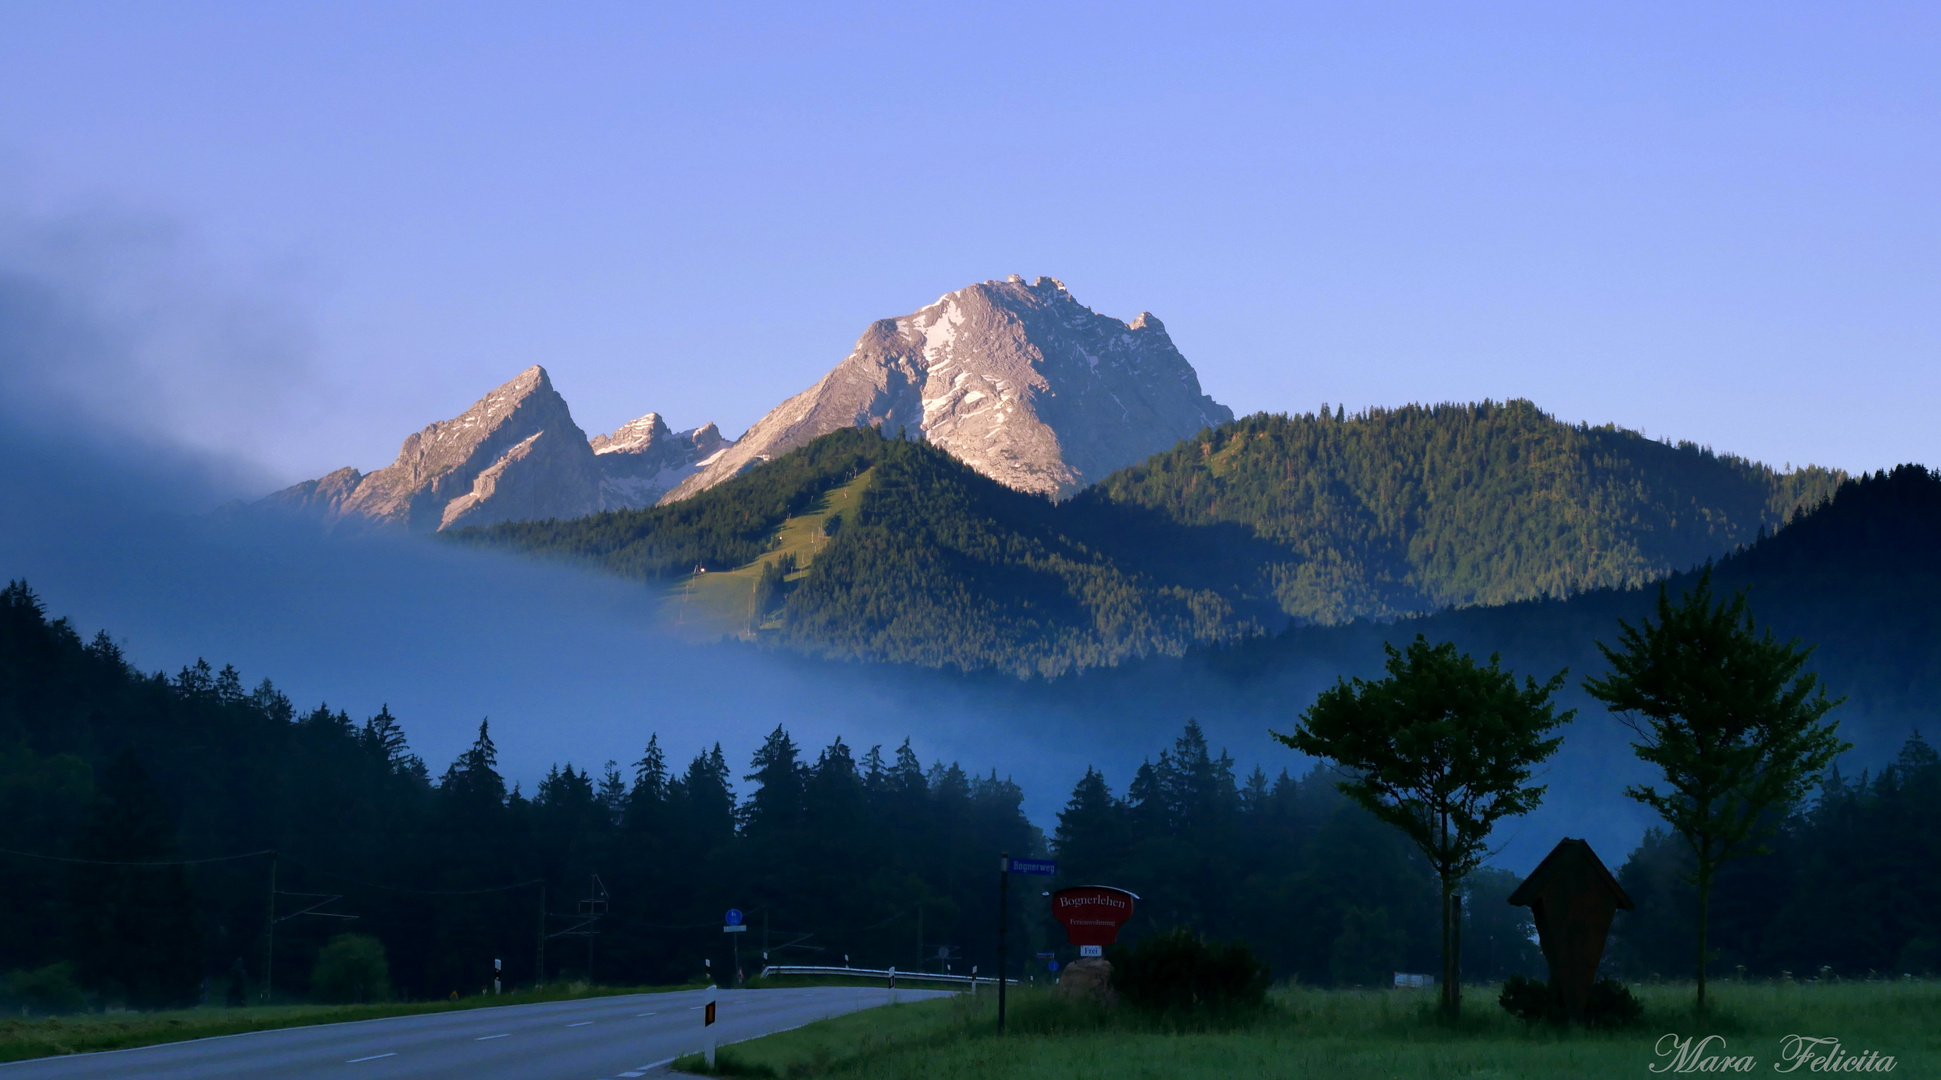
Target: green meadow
x,y
721,602
1345,1035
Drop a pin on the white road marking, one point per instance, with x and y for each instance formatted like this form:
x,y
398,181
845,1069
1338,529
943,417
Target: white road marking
x,y
373,1057
694,1007
482,1038
633,1074
658,1064
582,1023
646,1014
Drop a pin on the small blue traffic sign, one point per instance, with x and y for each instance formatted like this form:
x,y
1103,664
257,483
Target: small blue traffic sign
x,y
1042,867
734,917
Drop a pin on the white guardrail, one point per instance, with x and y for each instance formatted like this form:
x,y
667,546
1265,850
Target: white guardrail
x,y
885,974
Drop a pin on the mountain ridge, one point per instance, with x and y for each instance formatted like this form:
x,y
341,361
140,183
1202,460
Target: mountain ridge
x,y
516,453
1019,381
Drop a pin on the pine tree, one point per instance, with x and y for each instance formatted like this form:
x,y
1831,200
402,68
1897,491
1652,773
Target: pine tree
x,y
1092,839
775,806
134,933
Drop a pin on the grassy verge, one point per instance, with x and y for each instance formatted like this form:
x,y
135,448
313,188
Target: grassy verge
x,y
1342,1035
22,1038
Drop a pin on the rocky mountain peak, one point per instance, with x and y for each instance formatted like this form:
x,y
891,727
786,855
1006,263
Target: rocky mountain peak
x,y
516,454
643,459
632,436
485,464
1018,380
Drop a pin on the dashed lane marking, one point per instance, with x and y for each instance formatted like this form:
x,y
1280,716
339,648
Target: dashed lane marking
x,y
482,1038
658,1064
646,1014
582,1023
373,1057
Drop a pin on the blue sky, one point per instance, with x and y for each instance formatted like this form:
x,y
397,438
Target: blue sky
x,y
335,223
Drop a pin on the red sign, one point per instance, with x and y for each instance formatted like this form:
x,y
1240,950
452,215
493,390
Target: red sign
x,y
1092,914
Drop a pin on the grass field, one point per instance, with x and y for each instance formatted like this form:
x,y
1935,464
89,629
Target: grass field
x,y
22,1038
1348,1035
719,602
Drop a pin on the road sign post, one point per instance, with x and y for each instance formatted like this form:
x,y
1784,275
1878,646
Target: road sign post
x,y
735,926
1005,865
1003,895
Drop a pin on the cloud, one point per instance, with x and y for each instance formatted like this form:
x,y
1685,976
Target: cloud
x,y
108,332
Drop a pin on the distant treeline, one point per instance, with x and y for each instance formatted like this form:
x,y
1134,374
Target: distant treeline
x,y
1318,518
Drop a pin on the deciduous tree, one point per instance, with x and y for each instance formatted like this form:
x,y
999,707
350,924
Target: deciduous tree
x,y
1731,718
1441,749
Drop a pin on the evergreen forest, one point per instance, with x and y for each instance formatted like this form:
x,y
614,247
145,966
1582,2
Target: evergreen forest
x,y
148,822
1268,521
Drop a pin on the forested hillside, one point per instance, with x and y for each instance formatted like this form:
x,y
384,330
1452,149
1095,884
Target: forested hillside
x,y
1398,511
1312,518
937,565
1858,577
1316,518
717,530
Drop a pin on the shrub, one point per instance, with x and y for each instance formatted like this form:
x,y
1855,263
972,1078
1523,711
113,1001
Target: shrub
x,y
351,968
1180,972
45,990
1610,1004
1530,999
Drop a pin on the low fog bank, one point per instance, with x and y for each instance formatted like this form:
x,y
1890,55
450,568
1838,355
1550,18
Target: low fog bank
x,y
567,665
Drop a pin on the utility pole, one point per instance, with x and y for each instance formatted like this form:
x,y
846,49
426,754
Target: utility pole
x,y
1003,924
269,933
591,909
539,965
919,935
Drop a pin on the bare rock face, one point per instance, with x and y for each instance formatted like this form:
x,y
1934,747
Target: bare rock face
x,y
317,500
514,455
1020,382
643,460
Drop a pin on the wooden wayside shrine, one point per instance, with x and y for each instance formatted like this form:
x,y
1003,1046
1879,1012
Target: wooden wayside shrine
x,y
1572,898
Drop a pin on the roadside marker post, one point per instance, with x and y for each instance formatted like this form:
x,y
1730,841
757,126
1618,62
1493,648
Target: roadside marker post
x,y
707,1027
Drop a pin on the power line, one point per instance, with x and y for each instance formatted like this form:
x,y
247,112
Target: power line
x,y
415,892
150,863
158,863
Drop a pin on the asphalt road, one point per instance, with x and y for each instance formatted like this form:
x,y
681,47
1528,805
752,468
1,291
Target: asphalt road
x,y
593,1039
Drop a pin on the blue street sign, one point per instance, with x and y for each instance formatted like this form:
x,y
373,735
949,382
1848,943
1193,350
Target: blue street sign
x,y
1041,867
1052,966
734,917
